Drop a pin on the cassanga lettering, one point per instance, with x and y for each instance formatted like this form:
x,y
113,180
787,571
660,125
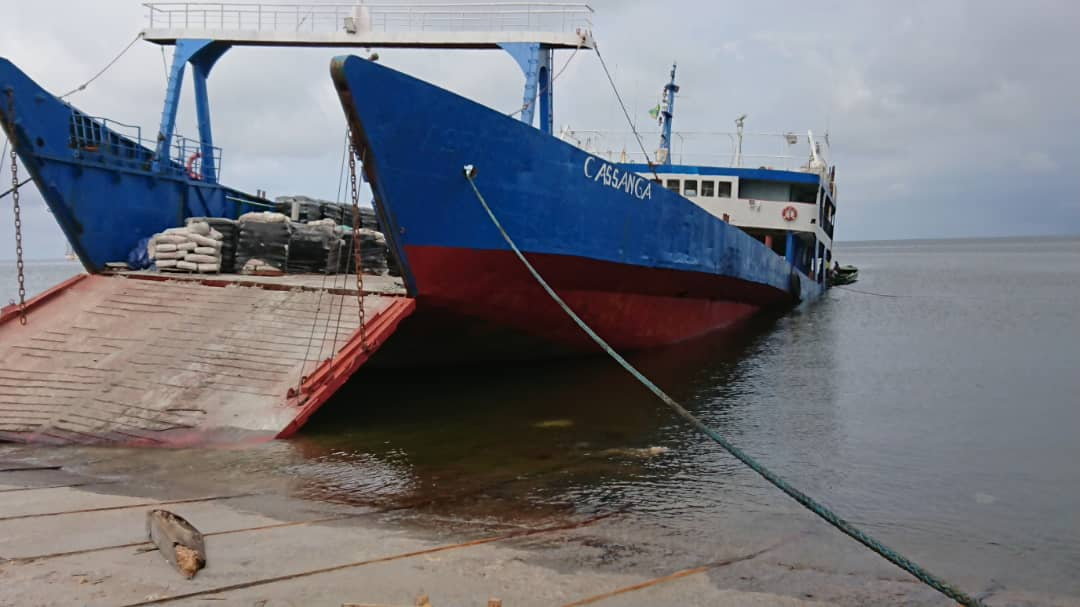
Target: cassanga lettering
x,y
617,179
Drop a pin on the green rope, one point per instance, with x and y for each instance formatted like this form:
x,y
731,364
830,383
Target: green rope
x,y
830,517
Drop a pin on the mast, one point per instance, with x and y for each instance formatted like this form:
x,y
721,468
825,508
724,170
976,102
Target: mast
x,y
667,112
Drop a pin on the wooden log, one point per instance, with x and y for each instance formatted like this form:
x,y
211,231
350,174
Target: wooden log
x,y
178,541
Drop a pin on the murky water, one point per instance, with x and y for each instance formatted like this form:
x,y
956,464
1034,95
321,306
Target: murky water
x,y
944,420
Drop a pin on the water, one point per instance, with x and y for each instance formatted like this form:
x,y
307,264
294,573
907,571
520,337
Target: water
x,y
944,420
40,275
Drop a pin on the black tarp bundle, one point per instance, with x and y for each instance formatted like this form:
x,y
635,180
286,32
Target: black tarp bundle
x,y
313,249
342,214
314,209
337,213
373,251
265,240
368,219
310,209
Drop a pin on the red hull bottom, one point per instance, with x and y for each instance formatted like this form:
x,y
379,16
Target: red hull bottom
x,y
475,305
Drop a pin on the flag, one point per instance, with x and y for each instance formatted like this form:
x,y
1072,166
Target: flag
x,y
655,112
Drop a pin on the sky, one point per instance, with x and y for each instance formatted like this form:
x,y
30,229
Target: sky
x,y
946,118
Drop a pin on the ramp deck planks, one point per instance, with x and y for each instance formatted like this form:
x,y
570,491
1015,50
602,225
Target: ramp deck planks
x,y
153,359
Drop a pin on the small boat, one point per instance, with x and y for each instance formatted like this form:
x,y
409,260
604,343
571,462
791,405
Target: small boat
x,y
843,275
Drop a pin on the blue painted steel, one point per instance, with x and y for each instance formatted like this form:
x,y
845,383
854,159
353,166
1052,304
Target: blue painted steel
x,y
535,61
202,62
202,54
552,197
762,174
170,107
791,248
668,113
101,184
547,96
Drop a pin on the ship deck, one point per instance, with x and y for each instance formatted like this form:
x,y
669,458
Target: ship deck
x,y
167,359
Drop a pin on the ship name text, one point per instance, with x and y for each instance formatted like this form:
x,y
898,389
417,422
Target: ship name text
x,y
624,180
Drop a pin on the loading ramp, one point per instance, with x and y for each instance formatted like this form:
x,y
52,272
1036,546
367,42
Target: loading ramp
x,y
158,359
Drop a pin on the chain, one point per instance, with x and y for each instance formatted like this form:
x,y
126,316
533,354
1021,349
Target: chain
x,y
15,205
355,192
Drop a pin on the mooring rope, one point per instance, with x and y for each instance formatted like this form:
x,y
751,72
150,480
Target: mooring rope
x,y
819,509
861,292
8,191
104,69
630,121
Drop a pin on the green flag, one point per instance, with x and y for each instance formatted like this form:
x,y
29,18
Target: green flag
x,y
655,112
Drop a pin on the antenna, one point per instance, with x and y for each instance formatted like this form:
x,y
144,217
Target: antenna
x,y
739,133
667,112
816,163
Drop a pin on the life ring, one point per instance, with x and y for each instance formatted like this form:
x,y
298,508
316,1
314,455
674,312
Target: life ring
x,y
789,213
191,165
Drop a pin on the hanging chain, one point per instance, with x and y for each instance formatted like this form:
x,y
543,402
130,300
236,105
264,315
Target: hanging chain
x,y
15,205
355,192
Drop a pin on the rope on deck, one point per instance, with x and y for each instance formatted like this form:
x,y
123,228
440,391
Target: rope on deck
x,y
809,503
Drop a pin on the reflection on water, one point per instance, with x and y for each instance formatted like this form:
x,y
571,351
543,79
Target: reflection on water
x,y
582,436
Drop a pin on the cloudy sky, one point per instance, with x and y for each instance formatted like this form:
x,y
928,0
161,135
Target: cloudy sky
x,y
947,118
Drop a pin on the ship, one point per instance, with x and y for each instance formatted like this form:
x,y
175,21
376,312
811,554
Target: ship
x,y
647,254
107,184
650,251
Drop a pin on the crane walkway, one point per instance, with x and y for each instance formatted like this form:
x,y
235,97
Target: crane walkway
x,y
476,25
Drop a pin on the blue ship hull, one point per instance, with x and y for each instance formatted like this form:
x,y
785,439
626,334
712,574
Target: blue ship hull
x,y
106,189
644,266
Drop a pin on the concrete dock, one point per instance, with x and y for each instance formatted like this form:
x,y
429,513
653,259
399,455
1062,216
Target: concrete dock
x,y
69,539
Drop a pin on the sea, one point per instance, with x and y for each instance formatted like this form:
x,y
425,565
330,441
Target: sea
x,y
935,402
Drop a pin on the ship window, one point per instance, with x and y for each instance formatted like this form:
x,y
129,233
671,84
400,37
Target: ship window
x,y
690,187
707,189
723,189
673,185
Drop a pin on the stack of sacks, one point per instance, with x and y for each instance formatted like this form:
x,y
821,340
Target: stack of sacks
x,y
195,248
263,245
229,230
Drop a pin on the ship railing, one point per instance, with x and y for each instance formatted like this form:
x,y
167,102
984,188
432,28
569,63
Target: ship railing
x,y
108,141
186,156
123,145
353,17
749,161
780,151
